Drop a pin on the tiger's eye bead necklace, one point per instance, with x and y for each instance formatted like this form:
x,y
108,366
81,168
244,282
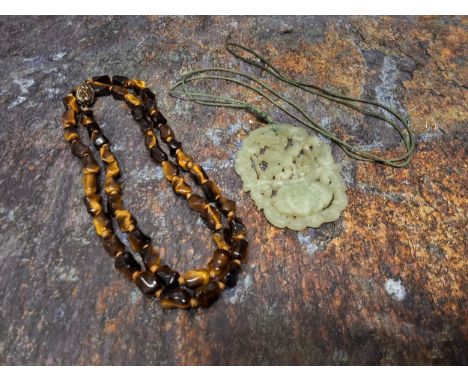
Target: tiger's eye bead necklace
x,y
196,288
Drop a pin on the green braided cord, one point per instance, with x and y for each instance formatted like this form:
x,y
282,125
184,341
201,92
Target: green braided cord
x,y
300,115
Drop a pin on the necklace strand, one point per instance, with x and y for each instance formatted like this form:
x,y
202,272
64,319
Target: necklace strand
x,y
196,288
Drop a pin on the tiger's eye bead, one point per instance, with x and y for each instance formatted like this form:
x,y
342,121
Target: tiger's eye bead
x,y
69,118
113,170
183,160
138,240
93,204
170,170
156,116
180,187
114,204
158,155
102,225
226,205
150,139
239,249
113,245
148,94
118,92
87,118
212,217
136,84
219,261
70,102
151,258
196,203
222,242
106,154
119,80
132,100
98,138
212,191
147,283
126,264
168,277
166,133
207,294
229,275
174,298
90,165
237,227
198,174
70,134
90,184
124,218
100,89
196,278
102,79
111,186
174,145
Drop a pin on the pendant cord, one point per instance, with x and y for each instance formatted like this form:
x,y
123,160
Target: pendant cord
x,y
265,91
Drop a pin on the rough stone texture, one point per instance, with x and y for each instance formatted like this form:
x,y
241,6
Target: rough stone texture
x,y
385,284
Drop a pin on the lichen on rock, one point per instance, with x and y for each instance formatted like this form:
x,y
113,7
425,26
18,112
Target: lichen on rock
x,y
291,175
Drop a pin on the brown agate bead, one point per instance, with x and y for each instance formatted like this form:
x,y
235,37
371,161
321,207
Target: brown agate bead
x,y
70,134
150,139
239,249
113,245
180,187
212,191
70,102
229,275
79,150
124,219
118,92
105,79
196,278
170,170
226,205
147,283
93,204
119,80
158,155
90,184
174,298
156,116
183,160
126,264
166,133
138,240
111,186
207,294
168,277
212,217
69,118
114,203
98,138
219,261
198,174
102,225
150,257
174,145
237,227
100,88
196,203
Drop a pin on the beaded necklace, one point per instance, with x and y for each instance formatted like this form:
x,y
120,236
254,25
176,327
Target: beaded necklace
x,y
196,288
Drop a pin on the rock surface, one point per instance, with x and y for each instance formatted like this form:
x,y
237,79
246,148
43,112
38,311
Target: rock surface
x,y
385,284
